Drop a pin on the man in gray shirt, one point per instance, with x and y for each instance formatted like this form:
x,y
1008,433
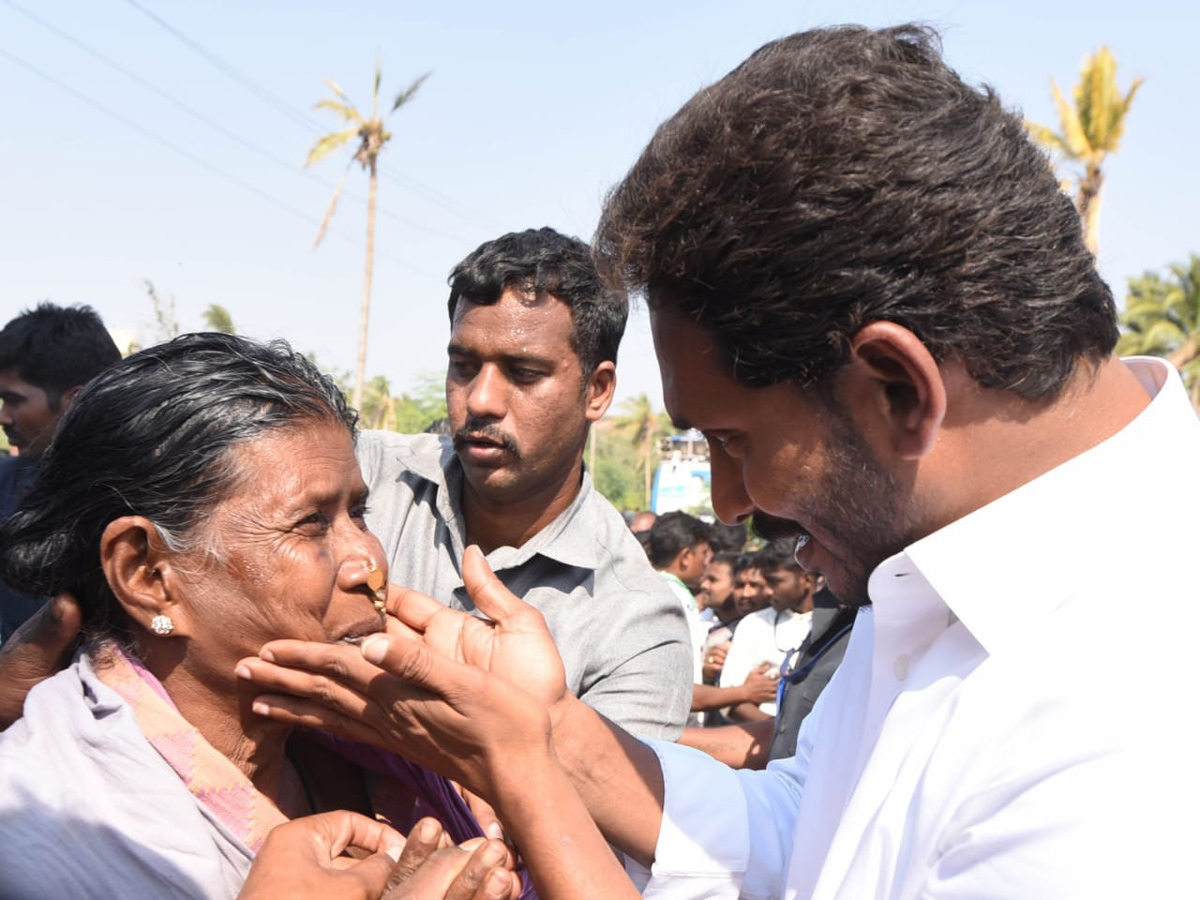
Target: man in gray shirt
x,y
532,364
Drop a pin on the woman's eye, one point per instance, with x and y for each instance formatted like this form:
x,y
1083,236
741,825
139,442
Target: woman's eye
x,y
313,524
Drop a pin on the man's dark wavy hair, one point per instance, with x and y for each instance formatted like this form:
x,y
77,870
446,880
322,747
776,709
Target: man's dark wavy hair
x,y
152,436
542,261
56,348
845,175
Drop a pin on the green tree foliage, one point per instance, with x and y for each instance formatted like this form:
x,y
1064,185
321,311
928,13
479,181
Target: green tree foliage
x,y
642,428
613,464
1090,128
217,318
371,137
410,413
1162,318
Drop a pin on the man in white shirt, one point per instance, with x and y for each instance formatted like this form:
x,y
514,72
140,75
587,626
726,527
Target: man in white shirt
x,y
867,290
767,635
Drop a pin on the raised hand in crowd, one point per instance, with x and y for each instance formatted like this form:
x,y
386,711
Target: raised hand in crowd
x,y
35,651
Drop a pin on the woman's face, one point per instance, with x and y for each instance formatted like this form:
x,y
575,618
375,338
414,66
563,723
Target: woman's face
x,y
290,551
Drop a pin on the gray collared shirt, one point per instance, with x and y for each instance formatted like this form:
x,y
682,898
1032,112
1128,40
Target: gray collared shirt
x,y
622,635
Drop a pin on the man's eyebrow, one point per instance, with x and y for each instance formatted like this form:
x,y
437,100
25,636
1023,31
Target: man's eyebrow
x,y
507,358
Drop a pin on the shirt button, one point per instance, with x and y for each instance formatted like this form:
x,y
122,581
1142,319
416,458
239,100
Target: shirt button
x,y
900,668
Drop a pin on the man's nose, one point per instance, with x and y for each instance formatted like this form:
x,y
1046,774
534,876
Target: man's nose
x,y
486,398
730,501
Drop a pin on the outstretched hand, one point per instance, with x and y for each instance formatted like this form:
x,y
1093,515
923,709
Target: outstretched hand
x,y
35,651
451,691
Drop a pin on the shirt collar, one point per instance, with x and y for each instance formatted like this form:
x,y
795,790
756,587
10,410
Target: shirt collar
x,y
1003,567
572,538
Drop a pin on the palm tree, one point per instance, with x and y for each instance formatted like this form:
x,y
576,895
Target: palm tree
x,y
371,137
642,427
1162,318
1089,131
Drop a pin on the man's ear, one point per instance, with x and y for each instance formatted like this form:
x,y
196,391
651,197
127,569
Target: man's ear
x,y
600,387
141,573
67,397
892,379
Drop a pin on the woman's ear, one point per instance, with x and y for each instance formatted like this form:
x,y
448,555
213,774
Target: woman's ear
x,y
140,572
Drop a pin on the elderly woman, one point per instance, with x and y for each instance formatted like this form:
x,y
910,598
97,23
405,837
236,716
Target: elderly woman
x,y
200,498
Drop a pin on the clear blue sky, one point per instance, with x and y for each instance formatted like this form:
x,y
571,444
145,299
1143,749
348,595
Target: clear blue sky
x,y
533,110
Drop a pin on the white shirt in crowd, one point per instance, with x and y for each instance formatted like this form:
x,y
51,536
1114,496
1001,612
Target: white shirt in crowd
x,y
1015,716
765,636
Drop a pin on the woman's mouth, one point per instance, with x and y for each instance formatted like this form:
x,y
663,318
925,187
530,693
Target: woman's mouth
x,y
357,633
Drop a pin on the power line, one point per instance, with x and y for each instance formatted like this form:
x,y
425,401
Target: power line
x,y
296,116
187,154
215,125
244,80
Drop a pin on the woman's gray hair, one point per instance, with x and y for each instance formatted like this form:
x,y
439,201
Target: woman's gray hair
x,y
152,436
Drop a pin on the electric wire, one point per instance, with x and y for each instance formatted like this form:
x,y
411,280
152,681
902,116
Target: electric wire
x,y
217,126
198,160
298,117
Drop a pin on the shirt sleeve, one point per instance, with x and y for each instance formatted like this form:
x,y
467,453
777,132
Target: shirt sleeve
x,y
739,661
648,689
725,833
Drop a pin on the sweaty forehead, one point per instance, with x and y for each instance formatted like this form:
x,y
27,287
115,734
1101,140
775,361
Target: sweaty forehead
x,y
516,325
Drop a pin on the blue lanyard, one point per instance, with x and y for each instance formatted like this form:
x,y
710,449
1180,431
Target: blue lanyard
x,y
786,678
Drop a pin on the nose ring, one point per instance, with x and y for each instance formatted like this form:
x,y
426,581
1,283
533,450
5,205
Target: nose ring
x,y
376,584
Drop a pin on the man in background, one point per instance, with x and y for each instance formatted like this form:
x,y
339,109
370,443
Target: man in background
x,y
765,637
47,354
532,364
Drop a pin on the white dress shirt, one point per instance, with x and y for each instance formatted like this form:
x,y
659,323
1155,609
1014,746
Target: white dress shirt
x,y
1015,716
764,636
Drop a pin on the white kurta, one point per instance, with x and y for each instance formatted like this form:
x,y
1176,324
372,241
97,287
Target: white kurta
x,y
1015,716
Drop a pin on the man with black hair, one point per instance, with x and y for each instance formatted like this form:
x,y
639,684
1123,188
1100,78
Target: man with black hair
x,y
533,349
680,549
767,636
47,354
867,289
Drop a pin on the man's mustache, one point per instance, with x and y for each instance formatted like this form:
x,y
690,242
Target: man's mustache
x,y
487,431
771,528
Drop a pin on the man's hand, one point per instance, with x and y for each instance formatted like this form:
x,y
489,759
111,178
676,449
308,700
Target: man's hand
x,y
36,650
431,870
760,686
714,662
303,859
448,690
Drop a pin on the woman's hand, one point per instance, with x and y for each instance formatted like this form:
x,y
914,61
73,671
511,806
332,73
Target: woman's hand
x,y
451,691
304,859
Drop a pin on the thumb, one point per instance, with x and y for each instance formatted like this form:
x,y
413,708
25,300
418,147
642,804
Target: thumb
x,y
415,664
372,873
486,591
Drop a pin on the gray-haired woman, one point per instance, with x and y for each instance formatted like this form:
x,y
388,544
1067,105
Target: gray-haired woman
x,y
200,498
